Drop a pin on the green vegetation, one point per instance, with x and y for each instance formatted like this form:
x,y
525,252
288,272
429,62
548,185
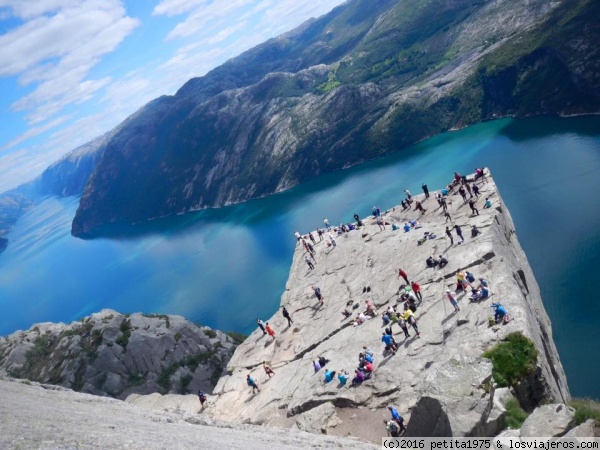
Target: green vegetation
x,y
585,409
178,336
184,381
164,379
136,379
515,415
238,338
210,333
125,328
214,379
513,359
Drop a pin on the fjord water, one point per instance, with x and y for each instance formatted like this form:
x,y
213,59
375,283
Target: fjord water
x,y
227,267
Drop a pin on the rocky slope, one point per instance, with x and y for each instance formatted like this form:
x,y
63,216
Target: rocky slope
x,y
440,382
50,417
362,81
113,354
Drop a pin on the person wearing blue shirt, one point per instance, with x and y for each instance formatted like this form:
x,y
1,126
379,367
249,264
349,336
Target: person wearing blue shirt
x,y
389,342
252,383
500,311
343,377
329,375
406,227
397,418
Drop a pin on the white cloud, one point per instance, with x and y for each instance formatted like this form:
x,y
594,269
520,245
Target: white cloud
x,y
34,131
56,47
175,7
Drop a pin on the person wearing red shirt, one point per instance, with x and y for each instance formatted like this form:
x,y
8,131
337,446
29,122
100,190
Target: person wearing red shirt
x,y
416,289
402,273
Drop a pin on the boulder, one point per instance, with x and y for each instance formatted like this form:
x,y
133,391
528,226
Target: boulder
x,y
585,430
319,419
548,421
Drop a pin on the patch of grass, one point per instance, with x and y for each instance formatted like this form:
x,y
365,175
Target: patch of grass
x,y
515,415
238,338
585,409
178,336
513,359
159,316
210,333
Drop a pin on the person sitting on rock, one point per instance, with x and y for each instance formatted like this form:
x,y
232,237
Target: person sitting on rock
x,y
346,313
480,293
329,375
474,231
430,262
483,282
202,397
488,203
316,365
359,377
368,369
343,377
406,227
370,310
360,319
469,277
323,361
443,261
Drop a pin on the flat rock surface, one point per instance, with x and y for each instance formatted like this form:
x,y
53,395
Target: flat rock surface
x,y
51,417
364,265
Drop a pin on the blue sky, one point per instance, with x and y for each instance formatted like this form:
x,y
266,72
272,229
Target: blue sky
x,y
71,70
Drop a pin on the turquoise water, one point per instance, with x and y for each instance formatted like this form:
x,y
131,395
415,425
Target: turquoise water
x,y
225,268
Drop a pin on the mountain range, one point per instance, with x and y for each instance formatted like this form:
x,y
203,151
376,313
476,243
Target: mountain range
x,y
368,78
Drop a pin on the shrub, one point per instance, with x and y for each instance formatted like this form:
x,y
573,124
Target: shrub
x,y
585,409
238,338
125,328
515,415
184,381
513,359
210,333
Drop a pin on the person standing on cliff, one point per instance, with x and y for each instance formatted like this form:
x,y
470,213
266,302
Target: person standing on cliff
x,y
320,297
425,190
286,314
270,330
311,266
202,397
252,384
475,190
312,238
449,234
261,325
326,222
268,370
408,196
452,299
472,206
332,239
396,417
403,274
416,289
459,232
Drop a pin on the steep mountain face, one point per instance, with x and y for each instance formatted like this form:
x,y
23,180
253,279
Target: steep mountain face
x,y
113,354
66,177
364,80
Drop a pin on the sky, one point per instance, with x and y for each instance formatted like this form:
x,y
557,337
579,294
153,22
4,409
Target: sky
x,y
71,70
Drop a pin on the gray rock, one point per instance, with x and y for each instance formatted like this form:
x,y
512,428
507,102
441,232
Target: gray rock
x,y
548,421
109,353
585,430
318,419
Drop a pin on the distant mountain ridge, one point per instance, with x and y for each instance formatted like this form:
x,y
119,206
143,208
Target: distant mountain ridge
x,y
369,78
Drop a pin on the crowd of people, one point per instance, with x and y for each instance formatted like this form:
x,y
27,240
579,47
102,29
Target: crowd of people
x,y
410,296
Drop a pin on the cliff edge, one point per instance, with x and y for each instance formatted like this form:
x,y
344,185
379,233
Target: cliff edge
x,y
440,382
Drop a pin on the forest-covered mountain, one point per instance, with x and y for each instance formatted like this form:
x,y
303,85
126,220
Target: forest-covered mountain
x,y
369,78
